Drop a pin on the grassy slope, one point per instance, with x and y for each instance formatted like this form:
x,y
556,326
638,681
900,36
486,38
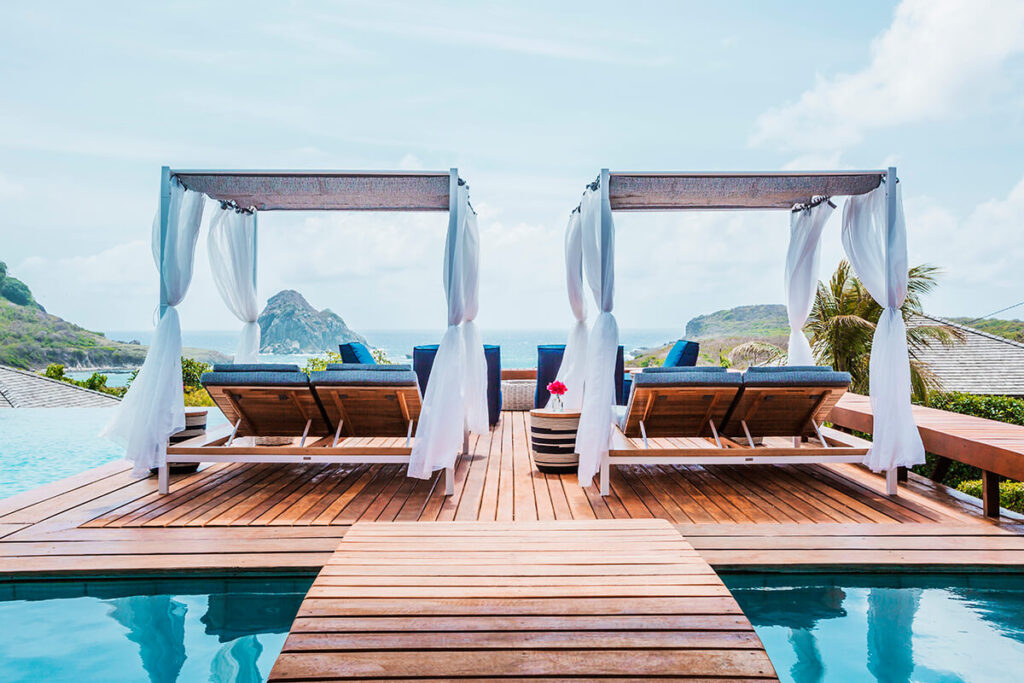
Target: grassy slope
x,y
31,339
720,332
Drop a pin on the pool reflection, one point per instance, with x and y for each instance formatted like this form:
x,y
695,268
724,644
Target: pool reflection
x,y
891,628
227,630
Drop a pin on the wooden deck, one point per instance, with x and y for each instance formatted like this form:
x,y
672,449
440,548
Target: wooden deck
x,y
291,517
622,599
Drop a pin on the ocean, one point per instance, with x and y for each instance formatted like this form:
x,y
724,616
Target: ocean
x,y
518,347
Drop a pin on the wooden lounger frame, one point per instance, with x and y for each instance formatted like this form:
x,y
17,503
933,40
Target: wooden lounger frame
x,y
762,407
355,411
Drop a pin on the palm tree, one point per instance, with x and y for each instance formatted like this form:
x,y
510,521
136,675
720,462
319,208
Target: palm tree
x,y
843,319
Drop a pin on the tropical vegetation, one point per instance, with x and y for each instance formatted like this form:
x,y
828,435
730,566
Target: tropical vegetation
x,y
843,320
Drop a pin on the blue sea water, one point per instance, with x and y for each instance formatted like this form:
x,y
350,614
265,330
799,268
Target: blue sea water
x,y
895,628
160,630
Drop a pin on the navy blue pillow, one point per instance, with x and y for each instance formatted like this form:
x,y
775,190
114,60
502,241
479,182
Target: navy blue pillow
x,y
356,352
683,354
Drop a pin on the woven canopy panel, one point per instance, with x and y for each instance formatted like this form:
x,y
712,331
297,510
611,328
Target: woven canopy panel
x,y
667,191
324,190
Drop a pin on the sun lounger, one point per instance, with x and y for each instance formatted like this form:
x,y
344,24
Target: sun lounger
x,y
360,400
691,416
785,401
266,399
333,410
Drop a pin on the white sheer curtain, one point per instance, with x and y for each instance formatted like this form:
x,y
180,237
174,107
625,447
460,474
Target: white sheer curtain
x,y
154,407
598,411
232,245
895,439
802,260
573,370
475,387
440,432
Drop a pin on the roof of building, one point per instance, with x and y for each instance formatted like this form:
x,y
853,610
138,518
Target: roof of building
x,y
983,364
21,389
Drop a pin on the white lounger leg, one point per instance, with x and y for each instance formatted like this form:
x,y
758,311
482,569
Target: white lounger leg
x,y
606,487
449,481
891,488
163,478
714,431
337,433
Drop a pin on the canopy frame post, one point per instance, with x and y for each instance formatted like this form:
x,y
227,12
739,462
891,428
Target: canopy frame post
x,y
165,211
891,475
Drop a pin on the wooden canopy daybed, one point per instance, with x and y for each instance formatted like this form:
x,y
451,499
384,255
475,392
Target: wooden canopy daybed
x,y
348,414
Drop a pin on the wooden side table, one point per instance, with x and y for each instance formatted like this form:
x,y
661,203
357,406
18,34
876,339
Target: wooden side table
x,y
553,440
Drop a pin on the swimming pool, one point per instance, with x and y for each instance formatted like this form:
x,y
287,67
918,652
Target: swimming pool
x,y
161,630
42,445
894,628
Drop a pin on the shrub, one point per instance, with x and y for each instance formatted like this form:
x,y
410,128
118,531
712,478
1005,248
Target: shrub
x,y
1011,493
1001,408
198,397
16,292
191,371
96,382
54,371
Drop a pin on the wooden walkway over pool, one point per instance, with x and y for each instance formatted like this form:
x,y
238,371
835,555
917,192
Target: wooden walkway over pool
x,y
621,599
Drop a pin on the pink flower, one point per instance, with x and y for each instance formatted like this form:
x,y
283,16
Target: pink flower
x,y
556,388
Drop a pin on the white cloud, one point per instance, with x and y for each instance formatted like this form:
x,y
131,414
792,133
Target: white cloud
x,y
10,189
980,253
933,60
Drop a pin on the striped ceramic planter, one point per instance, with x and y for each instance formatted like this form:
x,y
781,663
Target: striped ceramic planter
x,y
553,440
195,425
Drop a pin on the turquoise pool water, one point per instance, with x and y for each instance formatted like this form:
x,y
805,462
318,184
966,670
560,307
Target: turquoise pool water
x,y
891,628
42,445
226,630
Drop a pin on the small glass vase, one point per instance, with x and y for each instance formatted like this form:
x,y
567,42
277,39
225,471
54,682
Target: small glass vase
x,y
556,403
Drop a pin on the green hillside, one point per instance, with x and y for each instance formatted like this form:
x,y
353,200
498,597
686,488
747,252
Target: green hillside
x,y
31,338
763,320
1010,329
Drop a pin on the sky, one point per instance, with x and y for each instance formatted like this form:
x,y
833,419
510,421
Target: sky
x,y
529,100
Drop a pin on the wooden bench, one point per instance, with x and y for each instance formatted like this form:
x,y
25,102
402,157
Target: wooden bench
x,y
996,448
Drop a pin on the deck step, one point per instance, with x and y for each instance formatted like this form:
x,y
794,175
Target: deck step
x,y
624,599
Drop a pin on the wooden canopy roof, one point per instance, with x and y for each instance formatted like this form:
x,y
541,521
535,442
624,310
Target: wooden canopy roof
x,y
324,190
630,191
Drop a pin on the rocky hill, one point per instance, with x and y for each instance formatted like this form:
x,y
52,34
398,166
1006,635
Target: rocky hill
x,y
31,338
289,324
764,320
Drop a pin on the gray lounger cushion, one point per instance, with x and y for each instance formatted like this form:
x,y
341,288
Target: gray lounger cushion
x,y
690,378
795,376
255,367
368,366
254,379
687,369
364,378
770,369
